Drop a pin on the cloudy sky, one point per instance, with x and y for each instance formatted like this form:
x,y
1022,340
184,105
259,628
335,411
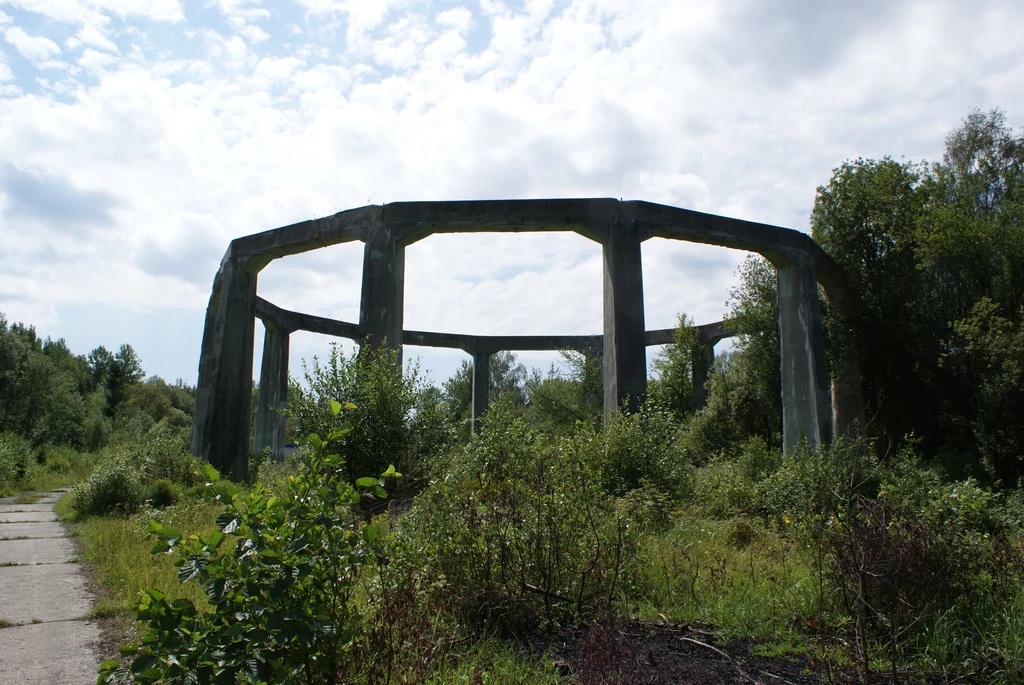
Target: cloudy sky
x,y
138,137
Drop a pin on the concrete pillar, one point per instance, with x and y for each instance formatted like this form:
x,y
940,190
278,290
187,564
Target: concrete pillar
x,y
383,294
273,395
702,358
481,384
220,424
805,392
625,355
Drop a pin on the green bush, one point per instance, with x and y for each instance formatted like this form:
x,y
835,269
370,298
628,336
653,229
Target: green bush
x,y
115,486
16,458
520,531
280,575
639,448
161,493
395,418
58,463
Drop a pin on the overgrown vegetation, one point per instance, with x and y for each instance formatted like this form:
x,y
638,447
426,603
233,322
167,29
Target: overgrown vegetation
x,y
895,553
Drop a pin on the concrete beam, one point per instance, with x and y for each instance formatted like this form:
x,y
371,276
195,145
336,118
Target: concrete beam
x,y
805,392
273,394
220,424
625,354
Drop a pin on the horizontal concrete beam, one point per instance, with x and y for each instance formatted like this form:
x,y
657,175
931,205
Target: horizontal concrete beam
x,y
589,217
475,344
295,321
707,334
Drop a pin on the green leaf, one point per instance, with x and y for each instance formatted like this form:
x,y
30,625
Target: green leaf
x,y
110,665
144,663
228,522
212,474
155,526
390,472
335,407
366,482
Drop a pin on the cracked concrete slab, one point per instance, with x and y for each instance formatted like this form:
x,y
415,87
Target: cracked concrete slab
x,y
27,516
59,652
40,529
51,592
11,508
45,597
30,552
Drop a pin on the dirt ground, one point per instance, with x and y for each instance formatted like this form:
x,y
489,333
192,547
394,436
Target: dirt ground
x,y
640,653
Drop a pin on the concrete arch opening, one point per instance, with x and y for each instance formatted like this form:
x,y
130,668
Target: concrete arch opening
x,y
811,411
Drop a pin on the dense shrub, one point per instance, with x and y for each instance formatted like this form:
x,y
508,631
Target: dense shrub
x,y
115,486
520,530
280,574
636,448
16,458
395,418
161,493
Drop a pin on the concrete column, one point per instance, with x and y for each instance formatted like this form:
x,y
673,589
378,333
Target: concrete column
x,y
383,294
481,384
220,424
625,356
702,358
805,392
273,395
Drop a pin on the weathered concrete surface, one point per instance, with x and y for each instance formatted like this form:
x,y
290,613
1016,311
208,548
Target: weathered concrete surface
x,y
59,653
273,395
35,506
26,516
42,529
48,592
625,354
382,300
40,551
220,422
45,598
805,391
481,385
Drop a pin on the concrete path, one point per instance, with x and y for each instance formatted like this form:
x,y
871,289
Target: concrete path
x,y
43,600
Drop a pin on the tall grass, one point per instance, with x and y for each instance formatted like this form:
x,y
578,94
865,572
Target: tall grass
x,y
118,550
734,574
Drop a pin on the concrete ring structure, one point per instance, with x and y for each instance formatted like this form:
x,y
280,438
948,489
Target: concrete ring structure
x,y
812,409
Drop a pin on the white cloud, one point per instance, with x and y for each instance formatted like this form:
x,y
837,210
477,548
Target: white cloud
x,y
91,35
87,11
33,48
94,60
661,101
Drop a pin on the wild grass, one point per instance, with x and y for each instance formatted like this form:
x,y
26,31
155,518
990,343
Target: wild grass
x,y
736,575
492,661
118,550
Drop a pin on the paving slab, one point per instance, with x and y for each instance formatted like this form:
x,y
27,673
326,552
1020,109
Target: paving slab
x,y
62,653
10,508
41,529
26,516
50,592
45,551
